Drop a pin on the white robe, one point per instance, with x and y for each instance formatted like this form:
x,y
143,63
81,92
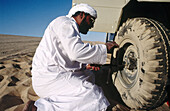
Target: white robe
x,y
58,74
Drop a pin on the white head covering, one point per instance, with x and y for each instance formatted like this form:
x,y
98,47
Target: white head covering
x,y
82,8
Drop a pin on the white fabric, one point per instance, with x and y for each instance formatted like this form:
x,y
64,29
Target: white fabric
x,y
58,74
83,8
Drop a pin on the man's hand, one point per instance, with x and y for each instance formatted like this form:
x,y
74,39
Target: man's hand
x,y
111,45
93,67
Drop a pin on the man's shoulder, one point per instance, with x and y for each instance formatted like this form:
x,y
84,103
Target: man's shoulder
x,y
63,19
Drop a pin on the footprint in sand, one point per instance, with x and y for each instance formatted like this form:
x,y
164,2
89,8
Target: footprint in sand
x,y
14,81
8,101
15,60
2,67
3,83
1,62
28,74
16,66
1,78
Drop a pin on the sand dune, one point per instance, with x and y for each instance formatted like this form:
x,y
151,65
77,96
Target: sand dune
x,y
16,53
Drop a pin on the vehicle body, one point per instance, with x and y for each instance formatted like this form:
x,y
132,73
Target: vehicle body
x,y
112,13
141,28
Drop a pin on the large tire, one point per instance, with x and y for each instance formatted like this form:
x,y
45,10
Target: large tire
x,y
144,49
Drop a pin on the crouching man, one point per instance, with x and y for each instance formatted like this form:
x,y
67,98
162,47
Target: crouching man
x,y
59,74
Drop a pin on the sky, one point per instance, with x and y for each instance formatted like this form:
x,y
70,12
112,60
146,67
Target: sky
x,y
31,17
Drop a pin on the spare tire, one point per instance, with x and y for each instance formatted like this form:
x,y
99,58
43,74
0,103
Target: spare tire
x,y
144,51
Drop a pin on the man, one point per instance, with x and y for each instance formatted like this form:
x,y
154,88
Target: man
x,y
59,74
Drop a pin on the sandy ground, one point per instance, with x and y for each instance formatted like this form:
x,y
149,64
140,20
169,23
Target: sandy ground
x,y
16,54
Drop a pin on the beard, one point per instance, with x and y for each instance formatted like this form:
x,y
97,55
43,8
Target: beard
x,y
84,27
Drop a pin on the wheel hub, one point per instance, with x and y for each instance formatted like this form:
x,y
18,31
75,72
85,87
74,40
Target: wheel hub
x,y
129,73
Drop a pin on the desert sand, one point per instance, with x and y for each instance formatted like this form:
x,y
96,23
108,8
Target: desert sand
x,y
16,53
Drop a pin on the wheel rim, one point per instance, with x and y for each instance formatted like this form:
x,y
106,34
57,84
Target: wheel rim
x,y
128,76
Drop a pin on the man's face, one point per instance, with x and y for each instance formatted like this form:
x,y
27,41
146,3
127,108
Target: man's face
x,y
86,24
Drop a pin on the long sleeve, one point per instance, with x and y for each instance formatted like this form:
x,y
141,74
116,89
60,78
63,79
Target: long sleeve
x,y
61,48
76,49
